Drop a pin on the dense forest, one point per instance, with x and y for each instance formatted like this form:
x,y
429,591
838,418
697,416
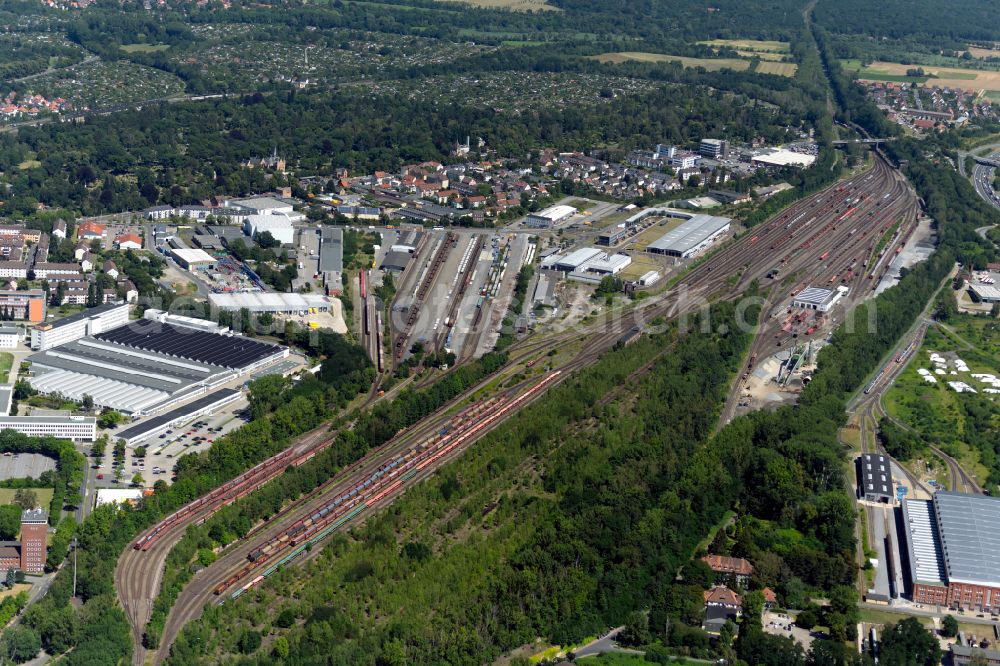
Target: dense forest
x,y
969,19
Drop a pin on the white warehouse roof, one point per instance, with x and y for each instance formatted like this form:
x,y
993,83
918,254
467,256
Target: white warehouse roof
x,y
192,255
784,158
578,258
270,302
604,263
689,234
555,212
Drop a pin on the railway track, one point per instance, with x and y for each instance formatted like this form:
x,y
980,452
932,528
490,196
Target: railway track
x,y
748,258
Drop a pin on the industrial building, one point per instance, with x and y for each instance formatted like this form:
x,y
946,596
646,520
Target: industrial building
x,y
613,236
331,258
157,425
192,258
147,366
76,326
607,264
816,298
953,547
691,237
279,226
278,303
549,217
64,427
874,478
985,293
27,304
650,278
572,261
779,159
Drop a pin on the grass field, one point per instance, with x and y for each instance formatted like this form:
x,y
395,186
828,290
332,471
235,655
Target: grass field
x,y
511,5
29,164
711,64
6,361
640,265
649,235
144,48
14,591
44,496
779,68
935,409
952,77
751,45
581,204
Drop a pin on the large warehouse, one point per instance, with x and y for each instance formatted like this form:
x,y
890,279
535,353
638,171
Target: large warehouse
x,y
147,366
279,303
690,237
954,550
550,216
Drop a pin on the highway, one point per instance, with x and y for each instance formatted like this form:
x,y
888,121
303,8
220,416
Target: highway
x,y
982,180
830,237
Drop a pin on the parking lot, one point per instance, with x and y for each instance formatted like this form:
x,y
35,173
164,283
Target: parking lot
x,y
21,465
163,451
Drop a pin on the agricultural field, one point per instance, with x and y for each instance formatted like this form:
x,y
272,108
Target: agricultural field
x,y
967,79
754,45
779,68
710,64
765,66
510,5
982,53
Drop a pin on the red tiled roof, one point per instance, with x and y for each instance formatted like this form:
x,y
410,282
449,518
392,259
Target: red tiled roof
x,y
722,595
724,564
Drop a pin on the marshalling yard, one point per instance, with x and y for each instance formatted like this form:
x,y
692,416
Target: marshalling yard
x,y
846,236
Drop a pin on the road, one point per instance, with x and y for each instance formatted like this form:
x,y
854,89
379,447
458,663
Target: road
x,y
604,644
138,573
982,180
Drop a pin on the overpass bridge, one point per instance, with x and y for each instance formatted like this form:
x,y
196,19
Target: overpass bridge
x,y
988,161
870,142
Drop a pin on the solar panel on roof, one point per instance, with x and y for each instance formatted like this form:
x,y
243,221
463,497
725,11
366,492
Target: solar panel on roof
x,y
191,344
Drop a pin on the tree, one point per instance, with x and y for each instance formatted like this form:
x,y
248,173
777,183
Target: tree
x,y
10,521
21,644
88,402
137,480
907,643
26,498
11,578
99,447
949,626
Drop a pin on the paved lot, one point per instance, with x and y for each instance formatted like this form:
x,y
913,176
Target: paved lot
x,y
23,465
781,624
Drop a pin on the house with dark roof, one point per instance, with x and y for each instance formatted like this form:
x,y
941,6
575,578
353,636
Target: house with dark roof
x,y
721,605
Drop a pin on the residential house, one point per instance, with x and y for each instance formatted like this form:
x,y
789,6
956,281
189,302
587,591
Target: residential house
x,y
111,269
721,605
729,568
91,231
87,263
59,229
128,242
